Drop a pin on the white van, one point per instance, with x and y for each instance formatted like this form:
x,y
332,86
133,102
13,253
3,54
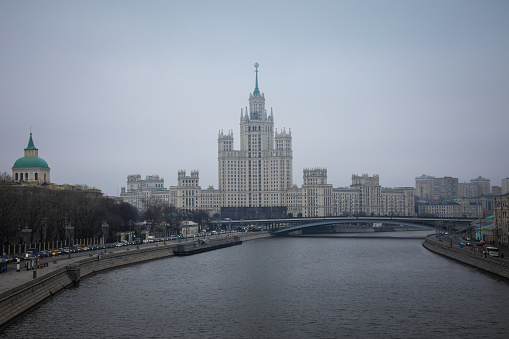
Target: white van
x,y
492,251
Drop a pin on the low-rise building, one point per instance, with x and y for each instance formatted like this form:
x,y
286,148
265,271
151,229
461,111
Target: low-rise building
x,y
31,168
449,209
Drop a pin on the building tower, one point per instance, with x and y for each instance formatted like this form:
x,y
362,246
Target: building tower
x,y
483,185
31,168
257,175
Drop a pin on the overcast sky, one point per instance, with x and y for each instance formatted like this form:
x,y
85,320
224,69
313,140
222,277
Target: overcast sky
x,y
395,88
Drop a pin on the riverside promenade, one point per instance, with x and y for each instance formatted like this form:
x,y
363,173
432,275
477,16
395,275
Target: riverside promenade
x,y
23,289
470,255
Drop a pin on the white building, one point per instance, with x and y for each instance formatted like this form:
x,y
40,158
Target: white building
x,y
256,181
258,175
31,168
505,185
366,197
139,191
448,209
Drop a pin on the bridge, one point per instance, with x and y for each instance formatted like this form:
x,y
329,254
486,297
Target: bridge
x,y
295,225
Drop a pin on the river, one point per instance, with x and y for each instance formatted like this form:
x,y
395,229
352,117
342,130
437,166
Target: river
x,y
281,288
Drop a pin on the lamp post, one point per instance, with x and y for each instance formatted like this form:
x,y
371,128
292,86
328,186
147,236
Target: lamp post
x,y
138,234
69,230
164,234
105,228
26,234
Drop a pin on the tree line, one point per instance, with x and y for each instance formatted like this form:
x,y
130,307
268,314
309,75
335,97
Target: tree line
x,y
34,214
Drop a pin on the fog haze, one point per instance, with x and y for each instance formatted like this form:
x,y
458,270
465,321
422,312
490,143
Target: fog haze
x,y
395,88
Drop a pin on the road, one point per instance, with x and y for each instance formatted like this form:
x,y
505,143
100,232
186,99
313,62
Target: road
x,y
12,278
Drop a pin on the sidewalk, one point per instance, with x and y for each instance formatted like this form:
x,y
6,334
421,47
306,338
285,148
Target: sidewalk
x,y
12,278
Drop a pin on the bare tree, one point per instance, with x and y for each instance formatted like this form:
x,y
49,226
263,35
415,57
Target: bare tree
x,y
48,212
153,214
5,177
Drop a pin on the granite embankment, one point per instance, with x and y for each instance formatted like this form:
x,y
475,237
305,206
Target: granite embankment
x,y
22,297
468,256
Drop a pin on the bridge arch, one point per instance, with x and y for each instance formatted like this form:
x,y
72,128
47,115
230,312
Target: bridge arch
x,y
316,224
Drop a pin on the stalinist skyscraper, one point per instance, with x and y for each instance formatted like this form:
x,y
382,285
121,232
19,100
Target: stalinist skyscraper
x,y
256,181
257,176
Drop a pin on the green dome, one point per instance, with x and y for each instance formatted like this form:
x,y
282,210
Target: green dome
x,y
30,162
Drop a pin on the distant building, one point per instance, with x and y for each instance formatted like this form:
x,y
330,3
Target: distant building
x,y
449,209
429,188
139,191
259,174
483,185
467,190
366,197
31,169
189,227
316,194
188,193
505,185
501,216
496,190
256,181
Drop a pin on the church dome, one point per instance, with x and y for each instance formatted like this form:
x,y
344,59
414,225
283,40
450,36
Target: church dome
x,y
30,162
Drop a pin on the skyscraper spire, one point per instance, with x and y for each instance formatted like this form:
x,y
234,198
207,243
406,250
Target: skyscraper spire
x,y
256,91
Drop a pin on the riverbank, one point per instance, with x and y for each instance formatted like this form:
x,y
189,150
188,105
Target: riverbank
x,y
22,292
466,255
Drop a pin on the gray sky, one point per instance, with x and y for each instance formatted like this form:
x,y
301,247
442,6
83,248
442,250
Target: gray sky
x,y
396,88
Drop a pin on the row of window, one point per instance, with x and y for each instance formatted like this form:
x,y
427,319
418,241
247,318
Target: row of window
x,y
24,176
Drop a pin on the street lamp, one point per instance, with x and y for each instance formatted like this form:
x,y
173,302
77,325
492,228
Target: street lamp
x,y
105,227
69,230
26,234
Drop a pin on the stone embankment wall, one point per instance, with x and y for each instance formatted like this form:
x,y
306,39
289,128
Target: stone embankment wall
x,y
19,299
254,235
467,256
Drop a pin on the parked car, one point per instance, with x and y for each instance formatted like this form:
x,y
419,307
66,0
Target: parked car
x,y
45,253
55,251
7,258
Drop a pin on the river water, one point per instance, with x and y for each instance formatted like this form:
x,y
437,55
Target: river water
x,y
281,288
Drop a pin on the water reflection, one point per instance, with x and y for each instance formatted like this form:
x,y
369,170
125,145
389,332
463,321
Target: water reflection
x,y
282,287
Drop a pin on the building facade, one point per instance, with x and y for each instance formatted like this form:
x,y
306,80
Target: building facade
x,y
496,190
260,172
139,191
31,169
449,209
505,185
429,188
256,180
366,197
501,216
483,185
467,191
